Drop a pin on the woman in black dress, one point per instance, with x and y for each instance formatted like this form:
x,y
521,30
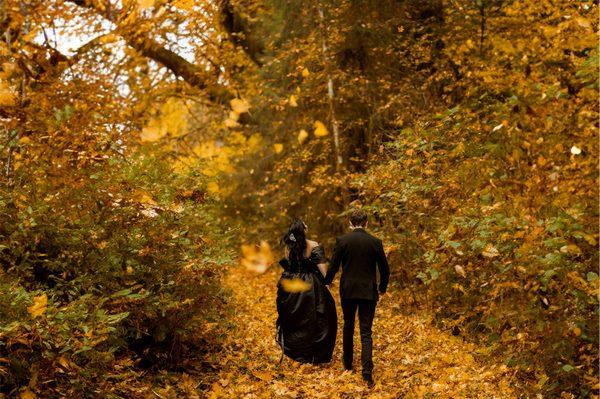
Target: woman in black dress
x,y
307,322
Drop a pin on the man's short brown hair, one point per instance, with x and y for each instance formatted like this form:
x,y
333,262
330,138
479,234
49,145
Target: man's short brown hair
x,y
358,217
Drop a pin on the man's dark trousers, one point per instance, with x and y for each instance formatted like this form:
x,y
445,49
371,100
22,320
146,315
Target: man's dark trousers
x,y
366,313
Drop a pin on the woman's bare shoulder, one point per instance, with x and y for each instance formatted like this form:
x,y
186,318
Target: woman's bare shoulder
x,y
310,244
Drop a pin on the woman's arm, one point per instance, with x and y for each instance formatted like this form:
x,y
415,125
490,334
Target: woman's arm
x,y
323,268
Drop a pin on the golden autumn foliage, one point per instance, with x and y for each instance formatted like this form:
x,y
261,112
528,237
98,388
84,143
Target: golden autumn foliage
x,y
144,142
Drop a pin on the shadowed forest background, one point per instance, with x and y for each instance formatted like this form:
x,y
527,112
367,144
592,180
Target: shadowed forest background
x,y
143,142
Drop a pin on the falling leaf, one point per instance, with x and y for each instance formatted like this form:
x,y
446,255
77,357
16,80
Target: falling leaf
x,y
294,285
302,136
39,306
293,102
575,150
305,73
278,148
239,105
320,129
257,259
490,251
460,271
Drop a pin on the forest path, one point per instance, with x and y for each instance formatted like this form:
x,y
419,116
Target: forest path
x,y
413,359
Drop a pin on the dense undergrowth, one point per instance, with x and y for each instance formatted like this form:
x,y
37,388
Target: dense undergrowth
x,y
107,278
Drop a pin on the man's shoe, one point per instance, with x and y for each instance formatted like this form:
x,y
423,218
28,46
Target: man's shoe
x,y
369,380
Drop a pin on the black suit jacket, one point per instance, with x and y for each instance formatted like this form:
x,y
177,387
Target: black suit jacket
x,y
359,253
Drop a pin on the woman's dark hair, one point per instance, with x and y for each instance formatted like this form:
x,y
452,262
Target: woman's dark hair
x,y
295,240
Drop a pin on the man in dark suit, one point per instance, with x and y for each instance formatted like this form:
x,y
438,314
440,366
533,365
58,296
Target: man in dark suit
x,y
359,253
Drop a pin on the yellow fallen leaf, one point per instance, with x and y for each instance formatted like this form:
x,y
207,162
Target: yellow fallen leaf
x,y
320,129
460,271
39,306
263,375
490,251
239,105
293,101
294,285
302,136
305,72
257,259
278,148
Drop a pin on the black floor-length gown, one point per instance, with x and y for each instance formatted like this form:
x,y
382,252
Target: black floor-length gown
x,y
307,322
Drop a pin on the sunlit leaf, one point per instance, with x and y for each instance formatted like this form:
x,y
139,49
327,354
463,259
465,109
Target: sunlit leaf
x,y
39,306
293,102
302,136
278,148
239,105
320,129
